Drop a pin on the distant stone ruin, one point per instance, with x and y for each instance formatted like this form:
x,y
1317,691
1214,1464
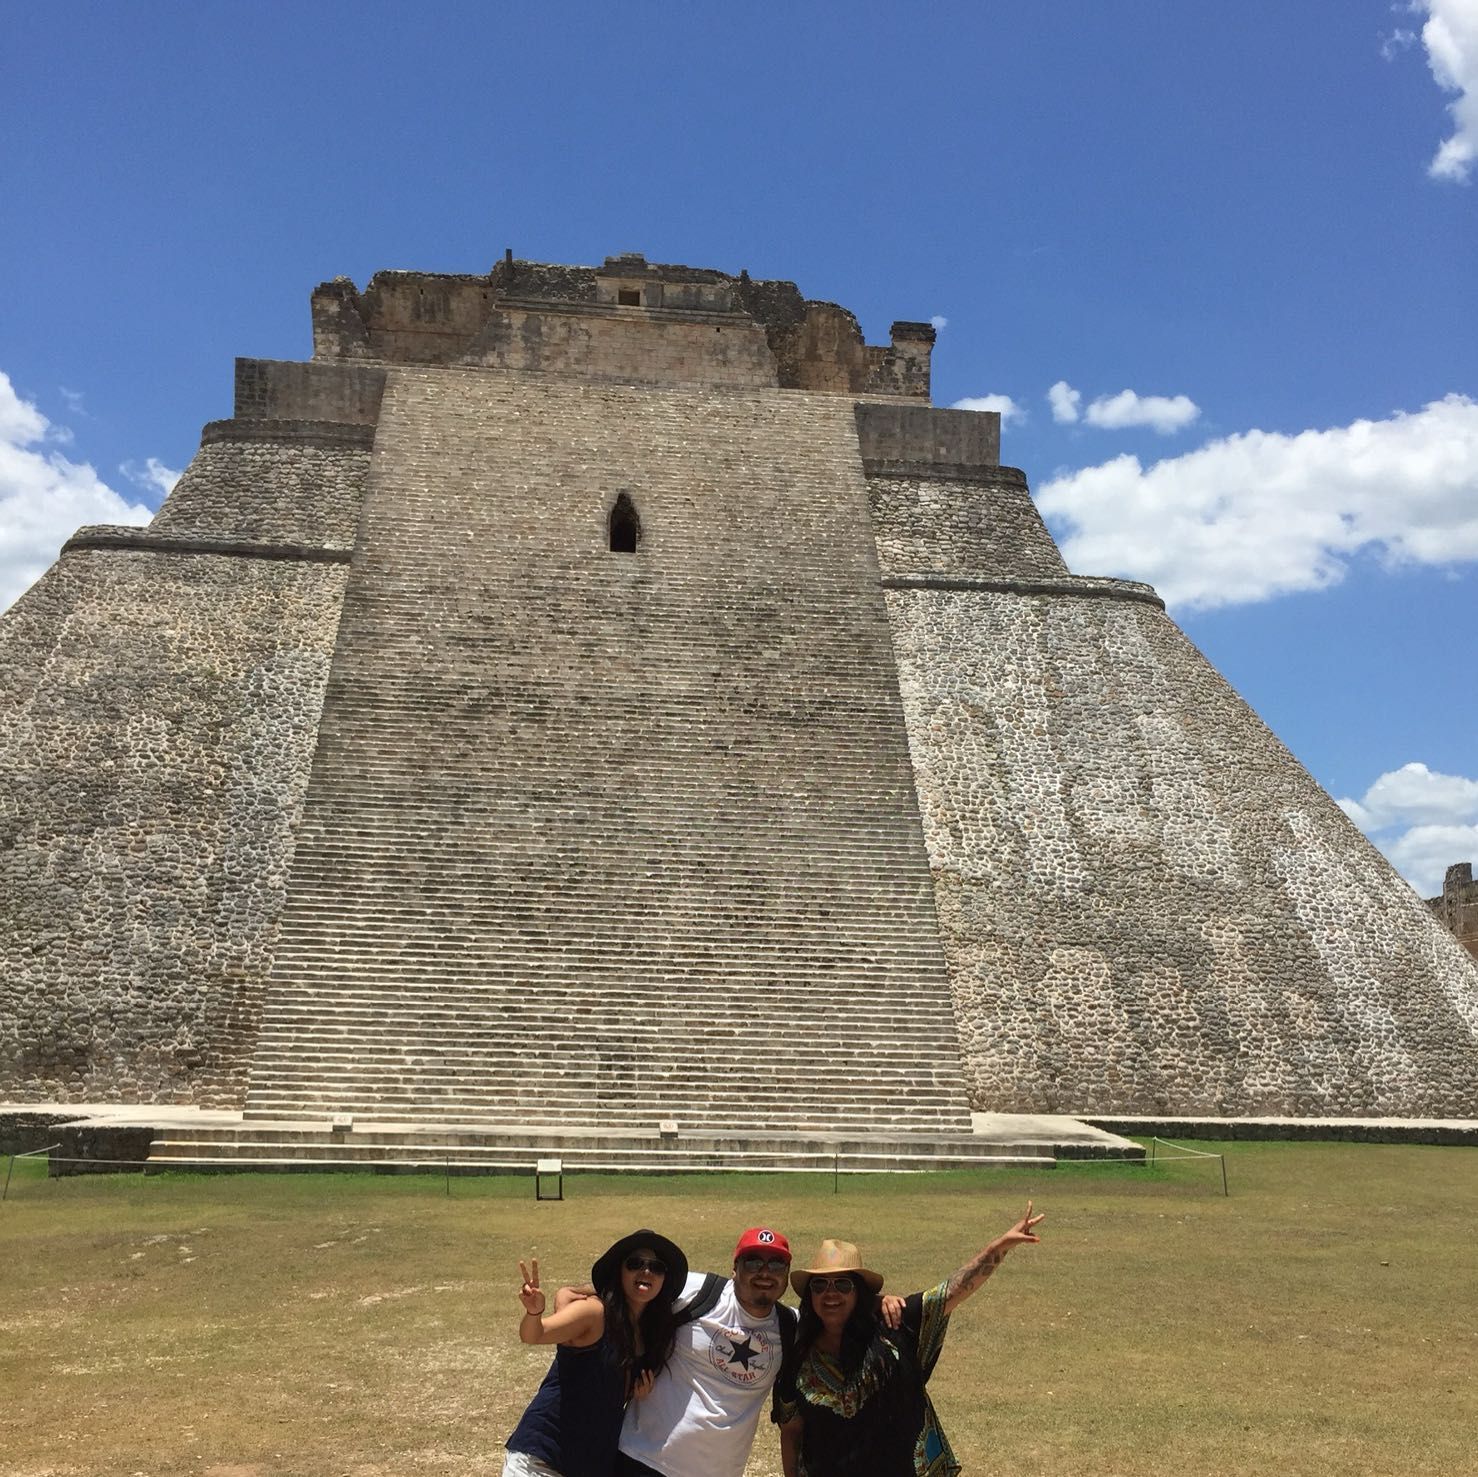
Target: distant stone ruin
x,y
1457,906
586,696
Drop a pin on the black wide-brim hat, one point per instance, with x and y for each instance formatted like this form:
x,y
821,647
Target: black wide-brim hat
x,y
607,1270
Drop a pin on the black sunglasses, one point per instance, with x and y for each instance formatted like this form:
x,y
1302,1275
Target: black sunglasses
x,y
775,1264
635,1263
842,1285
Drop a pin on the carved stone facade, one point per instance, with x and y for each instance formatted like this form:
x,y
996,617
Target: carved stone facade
x,y
634,653
1457,907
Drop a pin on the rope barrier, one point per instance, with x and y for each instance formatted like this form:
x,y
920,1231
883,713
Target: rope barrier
x,y
1186,1152
24,1154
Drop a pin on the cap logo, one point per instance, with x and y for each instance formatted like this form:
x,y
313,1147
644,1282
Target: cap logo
x,y
766,1238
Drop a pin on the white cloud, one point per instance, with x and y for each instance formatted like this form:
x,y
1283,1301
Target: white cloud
x,y
1393,45
1414,795
153,476
1423,854
1422,820
1260,514
1009,410
940,322
1164,413
1064,401
1451,39
44,497
21,423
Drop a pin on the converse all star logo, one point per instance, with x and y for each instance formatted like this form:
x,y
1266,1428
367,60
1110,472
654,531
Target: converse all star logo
x,y
741,1355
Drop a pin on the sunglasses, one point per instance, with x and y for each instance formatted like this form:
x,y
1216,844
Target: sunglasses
x,y
635,1263
842,1285
776,1264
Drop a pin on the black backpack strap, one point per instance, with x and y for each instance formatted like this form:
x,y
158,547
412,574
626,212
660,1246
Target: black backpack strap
x,y
703,1300
789,1322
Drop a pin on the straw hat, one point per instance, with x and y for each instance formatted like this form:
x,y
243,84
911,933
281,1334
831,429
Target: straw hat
x,y
835,1259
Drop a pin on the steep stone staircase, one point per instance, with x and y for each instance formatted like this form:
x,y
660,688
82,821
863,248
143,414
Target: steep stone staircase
x,y
598,839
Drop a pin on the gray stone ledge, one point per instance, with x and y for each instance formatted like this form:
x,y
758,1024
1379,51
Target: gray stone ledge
x,y
945,472
1086,587
337,434
121,538
1327,1130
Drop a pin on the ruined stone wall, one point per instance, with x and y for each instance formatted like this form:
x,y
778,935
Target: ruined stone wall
x,y
1457,907
629,321
627,345
1147,904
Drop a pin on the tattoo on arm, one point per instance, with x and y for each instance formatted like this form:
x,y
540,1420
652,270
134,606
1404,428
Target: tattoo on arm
x,y
973,1273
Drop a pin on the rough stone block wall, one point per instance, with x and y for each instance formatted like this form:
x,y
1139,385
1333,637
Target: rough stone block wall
x,y
157,715
1147,904
629,345
902,439
296,482
285,390
599,837
984,524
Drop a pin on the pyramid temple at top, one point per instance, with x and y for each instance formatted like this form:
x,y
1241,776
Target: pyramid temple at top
x,y
585,696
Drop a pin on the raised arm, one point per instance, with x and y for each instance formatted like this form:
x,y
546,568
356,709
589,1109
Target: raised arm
x,y
974,1272
580,1323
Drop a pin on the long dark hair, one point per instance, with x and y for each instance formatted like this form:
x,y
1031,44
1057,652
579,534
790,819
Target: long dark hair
x,y
859,1331
658,1330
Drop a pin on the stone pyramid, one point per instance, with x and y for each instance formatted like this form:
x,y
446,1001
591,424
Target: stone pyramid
x,y
593,696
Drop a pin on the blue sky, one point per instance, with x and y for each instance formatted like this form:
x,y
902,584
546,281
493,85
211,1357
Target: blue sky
x,y
1260,220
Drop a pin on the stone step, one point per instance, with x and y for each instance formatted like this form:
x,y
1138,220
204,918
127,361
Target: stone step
x,y
629,819
702,995
830,1116
320,1156
454,1137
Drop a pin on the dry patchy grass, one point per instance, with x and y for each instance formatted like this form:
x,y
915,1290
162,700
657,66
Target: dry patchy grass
x,y
1319,1321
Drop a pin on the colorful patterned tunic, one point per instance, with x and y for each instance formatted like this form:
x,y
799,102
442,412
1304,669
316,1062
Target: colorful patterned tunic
x,y
878,1421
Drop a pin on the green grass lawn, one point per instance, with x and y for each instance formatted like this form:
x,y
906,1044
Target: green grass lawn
x,y
1324,1319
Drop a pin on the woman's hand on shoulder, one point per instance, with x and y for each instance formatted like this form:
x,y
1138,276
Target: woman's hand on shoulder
x,y
641,1386
890,1310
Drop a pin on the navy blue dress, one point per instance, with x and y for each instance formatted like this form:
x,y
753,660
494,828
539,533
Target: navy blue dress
x,y
574,1420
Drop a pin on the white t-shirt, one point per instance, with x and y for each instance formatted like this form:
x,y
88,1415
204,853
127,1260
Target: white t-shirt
x,y
700,1419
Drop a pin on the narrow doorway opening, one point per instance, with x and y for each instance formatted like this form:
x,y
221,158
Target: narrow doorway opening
x,y
625,526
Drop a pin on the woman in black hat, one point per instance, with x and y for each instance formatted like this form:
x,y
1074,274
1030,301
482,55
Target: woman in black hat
x,y
609,1349
850,1400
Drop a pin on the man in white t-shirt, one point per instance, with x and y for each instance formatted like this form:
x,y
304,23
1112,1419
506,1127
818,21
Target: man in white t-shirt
x,y
703,1410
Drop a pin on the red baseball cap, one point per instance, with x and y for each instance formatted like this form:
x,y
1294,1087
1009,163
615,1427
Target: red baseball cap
x,y
764,1241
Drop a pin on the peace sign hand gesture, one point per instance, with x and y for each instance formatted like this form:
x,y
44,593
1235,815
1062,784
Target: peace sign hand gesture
x,y
531,1295
1023,1233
